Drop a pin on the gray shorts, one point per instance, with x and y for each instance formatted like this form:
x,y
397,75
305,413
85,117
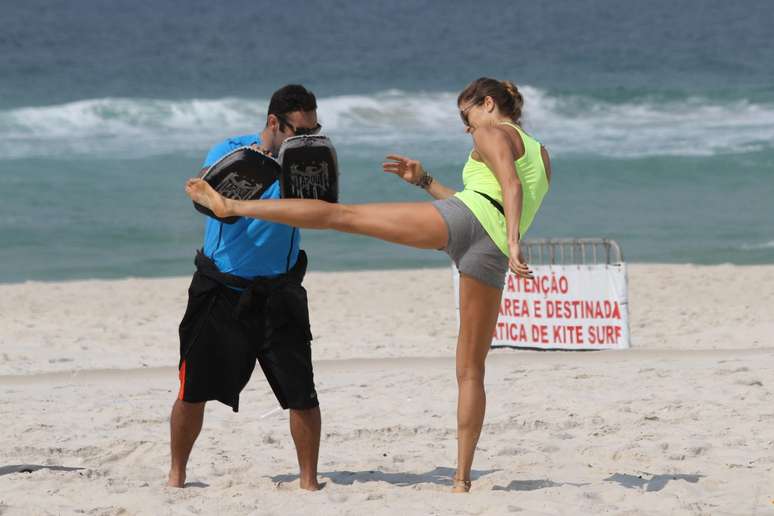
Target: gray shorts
x,y
470,247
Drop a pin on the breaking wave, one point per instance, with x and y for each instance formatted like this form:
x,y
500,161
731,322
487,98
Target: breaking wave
x,y
758,246
568,124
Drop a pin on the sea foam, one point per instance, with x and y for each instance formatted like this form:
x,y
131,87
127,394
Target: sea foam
x,y
130,127
758,246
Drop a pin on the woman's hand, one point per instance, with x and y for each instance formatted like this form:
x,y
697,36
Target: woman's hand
x,y
410,170
517,263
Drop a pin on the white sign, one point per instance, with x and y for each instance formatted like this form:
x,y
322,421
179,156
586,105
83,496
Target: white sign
x,y
564,307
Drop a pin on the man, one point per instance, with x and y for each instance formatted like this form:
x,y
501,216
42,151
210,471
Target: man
x,y
245,303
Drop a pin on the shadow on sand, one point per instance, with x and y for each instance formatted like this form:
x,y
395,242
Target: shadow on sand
x,y
654,483
440,476
29,468
196,484
533,485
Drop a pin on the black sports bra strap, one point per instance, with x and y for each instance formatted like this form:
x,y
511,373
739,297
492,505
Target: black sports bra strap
x,y
493,201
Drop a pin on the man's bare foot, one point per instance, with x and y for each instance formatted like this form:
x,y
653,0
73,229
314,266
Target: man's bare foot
x,y
176,480
309,486
202,193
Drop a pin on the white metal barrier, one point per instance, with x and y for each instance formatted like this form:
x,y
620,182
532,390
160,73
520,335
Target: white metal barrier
x,y
578,299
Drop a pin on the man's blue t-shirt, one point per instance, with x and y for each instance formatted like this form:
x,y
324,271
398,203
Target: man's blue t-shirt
x,y
249,247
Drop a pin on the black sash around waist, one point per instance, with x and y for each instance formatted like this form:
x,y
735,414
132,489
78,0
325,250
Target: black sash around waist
x,y
256,293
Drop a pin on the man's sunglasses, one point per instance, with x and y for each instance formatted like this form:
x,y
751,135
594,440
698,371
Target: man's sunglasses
x,y
299,131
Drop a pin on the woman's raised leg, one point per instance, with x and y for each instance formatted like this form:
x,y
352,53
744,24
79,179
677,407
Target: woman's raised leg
x,y
479,304
412,224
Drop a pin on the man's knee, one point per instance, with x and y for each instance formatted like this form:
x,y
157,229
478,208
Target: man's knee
x,y
188,408
309,412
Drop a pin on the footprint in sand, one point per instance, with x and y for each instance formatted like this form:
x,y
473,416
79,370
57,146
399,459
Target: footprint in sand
x,y
724,372
511,451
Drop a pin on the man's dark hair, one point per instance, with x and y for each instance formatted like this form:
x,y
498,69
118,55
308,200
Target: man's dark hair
x,y
290,98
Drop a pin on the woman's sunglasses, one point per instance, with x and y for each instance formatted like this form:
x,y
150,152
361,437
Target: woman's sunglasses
x,y
299,131
464,113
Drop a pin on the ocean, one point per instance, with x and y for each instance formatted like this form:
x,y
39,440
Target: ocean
x,y
659,117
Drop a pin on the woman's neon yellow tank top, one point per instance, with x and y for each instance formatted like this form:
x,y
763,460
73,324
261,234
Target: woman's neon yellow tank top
x,y
477,177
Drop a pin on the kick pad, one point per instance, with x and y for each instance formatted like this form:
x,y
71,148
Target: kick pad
x,y
309,169
242,174
306,168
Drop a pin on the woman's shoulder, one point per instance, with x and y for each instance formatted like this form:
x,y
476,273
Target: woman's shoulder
x,y
491,131
491,136
497,138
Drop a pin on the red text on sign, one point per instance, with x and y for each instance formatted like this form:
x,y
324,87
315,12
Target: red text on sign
x,y
604,334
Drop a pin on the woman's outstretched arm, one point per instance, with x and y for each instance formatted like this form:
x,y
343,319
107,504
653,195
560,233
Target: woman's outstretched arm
x,y
411,171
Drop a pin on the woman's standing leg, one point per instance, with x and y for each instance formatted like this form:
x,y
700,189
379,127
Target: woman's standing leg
x,y
479,304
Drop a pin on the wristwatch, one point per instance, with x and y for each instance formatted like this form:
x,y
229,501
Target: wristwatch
x,y
425,181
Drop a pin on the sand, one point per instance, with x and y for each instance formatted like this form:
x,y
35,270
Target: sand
x,y
682,423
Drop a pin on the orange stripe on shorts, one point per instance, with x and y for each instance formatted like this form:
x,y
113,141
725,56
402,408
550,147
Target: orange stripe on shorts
x,y
182,381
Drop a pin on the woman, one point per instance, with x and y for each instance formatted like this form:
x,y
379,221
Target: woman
x,y
505,177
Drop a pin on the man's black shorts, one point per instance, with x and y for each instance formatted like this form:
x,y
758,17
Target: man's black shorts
x,y
218,349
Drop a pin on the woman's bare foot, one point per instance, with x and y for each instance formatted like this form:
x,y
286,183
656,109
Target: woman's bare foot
x,y
176,480
460,486
202,193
